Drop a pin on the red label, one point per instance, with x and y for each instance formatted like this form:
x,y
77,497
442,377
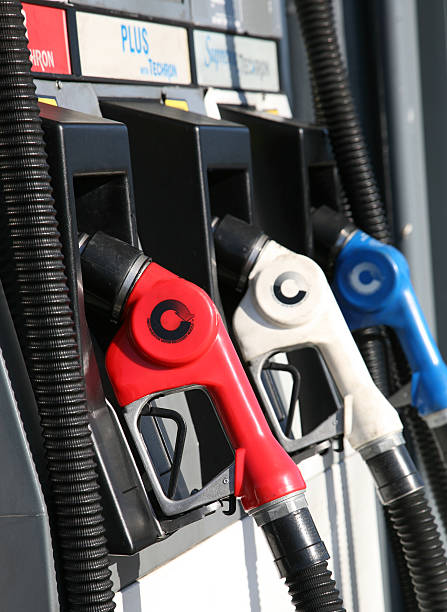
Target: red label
x,y
48,39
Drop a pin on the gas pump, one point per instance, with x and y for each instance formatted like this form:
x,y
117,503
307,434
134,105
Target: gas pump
x,y
129,428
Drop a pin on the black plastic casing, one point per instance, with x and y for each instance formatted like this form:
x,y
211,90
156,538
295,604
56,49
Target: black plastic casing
x,y
91,177
187,169
293,170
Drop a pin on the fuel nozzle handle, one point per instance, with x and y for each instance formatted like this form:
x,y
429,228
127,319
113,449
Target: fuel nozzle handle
x,y
373,287
171,337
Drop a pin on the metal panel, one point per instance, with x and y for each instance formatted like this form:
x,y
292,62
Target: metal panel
x,y
300,87
407,146
222,14
27,579
262,18
235,569
432,23
83,97
248,16
166,9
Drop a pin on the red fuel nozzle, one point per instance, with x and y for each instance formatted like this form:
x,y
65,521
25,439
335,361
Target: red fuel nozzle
x,y
172,337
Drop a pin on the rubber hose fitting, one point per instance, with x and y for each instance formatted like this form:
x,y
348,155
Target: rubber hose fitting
x,y
237,246
300,554
110,269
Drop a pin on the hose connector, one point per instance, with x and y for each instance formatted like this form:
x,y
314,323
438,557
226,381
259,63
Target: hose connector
x,y
300,555
110,269
291,533
331,229
237,245
392,468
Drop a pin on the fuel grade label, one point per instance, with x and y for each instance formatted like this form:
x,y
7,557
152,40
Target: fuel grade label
x,y
239,62
46,30
116,48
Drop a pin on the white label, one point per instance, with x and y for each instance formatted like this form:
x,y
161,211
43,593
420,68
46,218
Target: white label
x,y
115,48
223,60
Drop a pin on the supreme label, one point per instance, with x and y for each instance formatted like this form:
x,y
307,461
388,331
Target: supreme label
x,y
238,62
47,39
111,47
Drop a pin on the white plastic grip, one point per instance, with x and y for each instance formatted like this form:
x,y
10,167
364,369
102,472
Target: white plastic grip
x,y
288,305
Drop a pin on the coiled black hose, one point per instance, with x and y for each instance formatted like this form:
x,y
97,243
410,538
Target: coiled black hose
x,y
312,589
406,587
414,523
375,344
422,438
372,343
335,102
32,271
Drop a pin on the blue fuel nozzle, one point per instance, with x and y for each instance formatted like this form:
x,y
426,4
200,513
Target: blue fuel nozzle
x,y
373,287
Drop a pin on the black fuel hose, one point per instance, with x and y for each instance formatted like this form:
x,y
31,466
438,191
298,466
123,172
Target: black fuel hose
x,y
372,343
314,589
421,437
335,103
410,515
415,526
33,274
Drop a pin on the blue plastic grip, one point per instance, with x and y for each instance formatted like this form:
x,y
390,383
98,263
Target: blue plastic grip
x,y
373,287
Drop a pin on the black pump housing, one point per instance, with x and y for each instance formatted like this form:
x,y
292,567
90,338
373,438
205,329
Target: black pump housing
x,y
90,169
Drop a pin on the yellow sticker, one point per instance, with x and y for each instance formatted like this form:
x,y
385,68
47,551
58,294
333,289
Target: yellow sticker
x,y
51,101
272,111
181,104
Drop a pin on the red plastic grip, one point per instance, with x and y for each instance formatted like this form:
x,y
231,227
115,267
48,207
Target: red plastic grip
x,y
172,337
